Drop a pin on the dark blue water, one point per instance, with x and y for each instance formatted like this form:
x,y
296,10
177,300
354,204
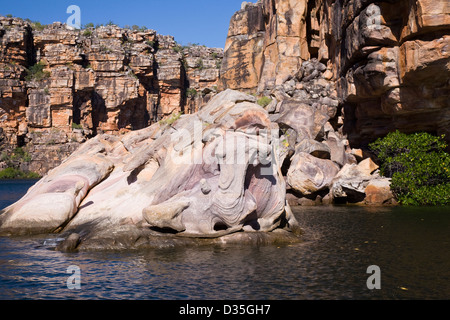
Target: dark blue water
x,y
410,245
13,190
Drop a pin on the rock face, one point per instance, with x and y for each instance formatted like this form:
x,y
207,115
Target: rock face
x,y
341,74
97,80
319,164
209,174
390,59
332,75
202,66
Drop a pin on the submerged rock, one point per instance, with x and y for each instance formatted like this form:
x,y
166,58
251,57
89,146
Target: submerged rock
x,y
69,244
205,175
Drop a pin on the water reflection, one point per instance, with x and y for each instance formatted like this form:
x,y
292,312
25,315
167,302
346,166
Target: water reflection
x,y
411,246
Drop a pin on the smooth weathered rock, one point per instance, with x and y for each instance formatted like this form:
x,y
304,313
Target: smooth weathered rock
x,y
306,120
349,184
337,149
308,174
54,200
69,244
314,148
194,180
367,166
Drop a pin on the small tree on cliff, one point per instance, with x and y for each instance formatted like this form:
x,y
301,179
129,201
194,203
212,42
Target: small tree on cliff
x,y
418,165
36,72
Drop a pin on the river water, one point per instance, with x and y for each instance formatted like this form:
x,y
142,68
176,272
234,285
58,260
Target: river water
x,y
411,247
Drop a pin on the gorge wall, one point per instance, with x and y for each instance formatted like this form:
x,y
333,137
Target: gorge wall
x,y
388,60
348,70
60,87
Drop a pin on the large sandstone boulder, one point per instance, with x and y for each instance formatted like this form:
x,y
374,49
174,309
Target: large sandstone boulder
x,y
352,181
208,174
308,174
378,192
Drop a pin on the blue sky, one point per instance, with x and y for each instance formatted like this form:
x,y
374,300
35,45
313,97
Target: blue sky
x,y
189,21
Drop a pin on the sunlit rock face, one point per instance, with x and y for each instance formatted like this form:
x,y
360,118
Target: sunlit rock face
x,y
97,80
389,59
208,174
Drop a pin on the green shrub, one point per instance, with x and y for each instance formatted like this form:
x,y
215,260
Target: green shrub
x,y
36,72
21,155
12,173
36,25
199,64
150,43
264,101
16,156
76,126
9,173
418,165
171,120
191,93
178,48
87,33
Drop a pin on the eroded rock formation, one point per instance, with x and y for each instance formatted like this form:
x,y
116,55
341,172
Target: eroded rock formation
x,y
97,80
335,75
209,174
341,74
390,59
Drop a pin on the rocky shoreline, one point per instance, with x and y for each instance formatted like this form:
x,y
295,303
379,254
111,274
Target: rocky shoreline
x,y
215,174
206,175
142,142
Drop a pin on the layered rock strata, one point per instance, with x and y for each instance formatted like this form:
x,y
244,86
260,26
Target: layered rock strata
x,y
97,80
202,65
390,59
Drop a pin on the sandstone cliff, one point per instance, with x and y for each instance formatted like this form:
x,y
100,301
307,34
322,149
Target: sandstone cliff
x,y
59,87
389,59
335,75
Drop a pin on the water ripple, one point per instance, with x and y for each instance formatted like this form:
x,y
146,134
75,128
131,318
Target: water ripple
x,y
411,246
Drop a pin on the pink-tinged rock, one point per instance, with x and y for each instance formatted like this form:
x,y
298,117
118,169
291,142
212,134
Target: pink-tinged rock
x,y
203,175
308,174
